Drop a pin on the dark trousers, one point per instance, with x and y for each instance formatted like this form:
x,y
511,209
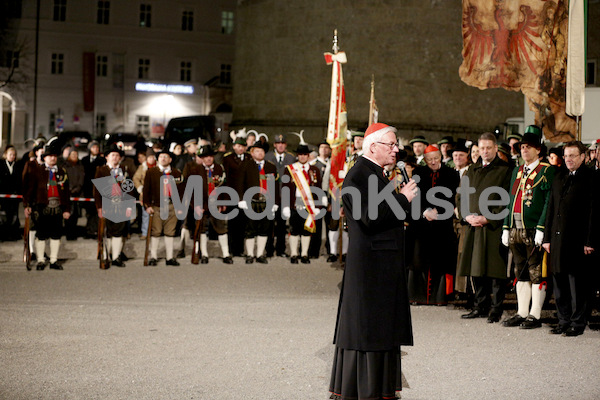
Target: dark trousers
x,y
91,213
237,232
571,296
489,294
276,241
71,223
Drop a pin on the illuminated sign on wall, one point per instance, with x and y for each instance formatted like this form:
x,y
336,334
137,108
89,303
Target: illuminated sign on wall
x,y
162,88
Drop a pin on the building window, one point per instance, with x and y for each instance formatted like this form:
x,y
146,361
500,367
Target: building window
x,y
58,61
225,77
103,12
142,124
143,68
185,72
100,124
10,59
60,10
52,124
227,22
102,66
145,15
590,76
187,21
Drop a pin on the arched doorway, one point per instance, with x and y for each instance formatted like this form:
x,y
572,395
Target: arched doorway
x,y
6,119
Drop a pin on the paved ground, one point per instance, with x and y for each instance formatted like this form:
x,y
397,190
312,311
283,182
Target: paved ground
x,y
240,331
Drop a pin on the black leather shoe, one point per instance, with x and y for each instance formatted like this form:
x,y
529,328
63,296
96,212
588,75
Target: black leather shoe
x,y
34,257
123,257
203,260
572,331
494,317
332,258
249,260
474,314
294,259
153,262
181,253
56,266
118,262
172,262
228,260
305,260
559,329
515,320
262,260
40,266
531,322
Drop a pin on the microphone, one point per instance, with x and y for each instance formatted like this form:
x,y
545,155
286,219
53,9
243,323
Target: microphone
x,y
401,166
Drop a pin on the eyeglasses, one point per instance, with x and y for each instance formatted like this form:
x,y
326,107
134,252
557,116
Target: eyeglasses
x,y
390,145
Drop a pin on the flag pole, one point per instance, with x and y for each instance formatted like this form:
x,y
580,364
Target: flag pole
x,y
372,101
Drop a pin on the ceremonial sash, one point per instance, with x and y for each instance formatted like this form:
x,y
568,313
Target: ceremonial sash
x,y
211,182
262,179
303,187
52,187
116,187
166,186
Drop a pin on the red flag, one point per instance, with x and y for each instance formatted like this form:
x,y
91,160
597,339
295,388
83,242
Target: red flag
x,y
337,127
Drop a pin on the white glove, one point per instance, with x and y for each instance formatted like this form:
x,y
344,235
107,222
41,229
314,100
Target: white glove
x,y
539,238
242,205
505,237
286,213
275,208
324,201
341,174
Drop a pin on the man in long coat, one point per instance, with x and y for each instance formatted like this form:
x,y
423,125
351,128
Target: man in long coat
x,y
571,237
481,256
431,274
374,312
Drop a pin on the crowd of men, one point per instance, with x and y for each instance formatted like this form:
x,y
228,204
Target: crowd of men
x,y
549,237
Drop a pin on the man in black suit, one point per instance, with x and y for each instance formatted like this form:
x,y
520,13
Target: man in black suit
x,y
571,237
237,225
374,311
90,163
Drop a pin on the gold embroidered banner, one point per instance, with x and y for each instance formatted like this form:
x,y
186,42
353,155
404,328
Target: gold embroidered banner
x,y
521,45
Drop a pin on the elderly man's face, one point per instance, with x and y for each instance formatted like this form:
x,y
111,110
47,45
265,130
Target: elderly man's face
x,y
208,160
280,147
433,159
385,149
460,159
573,158
529,153
164,159
487,150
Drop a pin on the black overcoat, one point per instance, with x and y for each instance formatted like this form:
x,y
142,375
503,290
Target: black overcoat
x,y
572,219
374,311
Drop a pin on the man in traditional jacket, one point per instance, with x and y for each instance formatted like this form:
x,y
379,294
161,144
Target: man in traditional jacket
x,y
571,238
236,225
90,163
47,198
34,162
481,257
158,178
374,312
212,178
431,274
259,174
523,230
300,177
419,144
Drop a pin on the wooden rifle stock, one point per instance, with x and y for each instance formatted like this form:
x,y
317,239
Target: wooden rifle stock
x,y
148,236
26,251
103,263
196,252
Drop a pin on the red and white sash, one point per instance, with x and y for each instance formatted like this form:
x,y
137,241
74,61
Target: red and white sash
x,y
297,173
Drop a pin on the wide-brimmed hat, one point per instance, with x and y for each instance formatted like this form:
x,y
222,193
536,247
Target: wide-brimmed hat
x,y
446,140
532,137
460,145
259,145
190,141
205,151
114,148
52,149
302,149
419,139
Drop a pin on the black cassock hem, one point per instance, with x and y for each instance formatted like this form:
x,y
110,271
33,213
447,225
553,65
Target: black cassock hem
x,y
365,375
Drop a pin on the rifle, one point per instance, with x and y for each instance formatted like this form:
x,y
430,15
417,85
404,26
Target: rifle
x,y
148,235
196,252
104,264
26,251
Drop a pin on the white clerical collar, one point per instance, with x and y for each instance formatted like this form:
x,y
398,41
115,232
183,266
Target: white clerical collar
x,y
373,161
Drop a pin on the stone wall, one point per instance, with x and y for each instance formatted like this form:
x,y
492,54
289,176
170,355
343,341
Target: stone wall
x,y
412,47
